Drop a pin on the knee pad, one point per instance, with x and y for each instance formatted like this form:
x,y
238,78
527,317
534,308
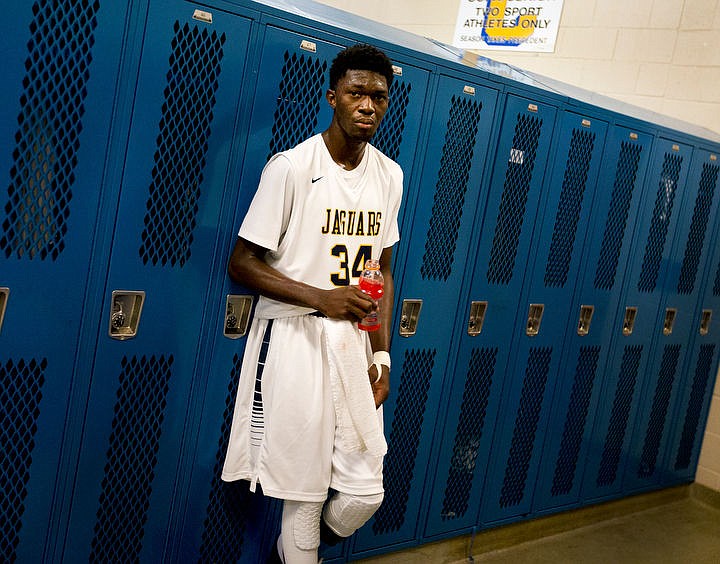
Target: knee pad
x,y
344,513
301,525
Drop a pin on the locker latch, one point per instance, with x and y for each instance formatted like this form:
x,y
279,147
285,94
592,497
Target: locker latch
x,y
409,317
670,315
4,294
477,318
586,313
535,314
629,321
125,313
704,321
237,316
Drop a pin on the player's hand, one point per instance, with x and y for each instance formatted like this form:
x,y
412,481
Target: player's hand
x,y
347,302
380,388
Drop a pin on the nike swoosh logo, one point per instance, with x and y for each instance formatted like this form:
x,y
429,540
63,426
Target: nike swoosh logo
x,y
314,180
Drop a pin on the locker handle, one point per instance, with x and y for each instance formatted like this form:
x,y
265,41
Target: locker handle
x,y
409,316
4,295
534,319
477,318
586,314
669,323
629,321
237,316
704,321
125,309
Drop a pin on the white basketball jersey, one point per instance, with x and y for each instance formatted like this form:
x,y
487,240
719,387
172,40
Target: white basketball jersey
x,y
320,222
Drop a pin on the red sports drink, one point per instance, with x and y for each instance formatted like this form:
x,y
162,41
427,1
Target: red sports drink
x,y
371,283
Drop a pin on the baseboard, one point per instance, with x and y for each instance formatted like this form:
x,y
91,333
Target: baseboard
x,y
705,495
515,533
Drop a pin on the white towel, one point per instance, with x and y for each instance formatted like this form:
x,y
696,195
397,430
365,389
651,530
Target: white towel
x,y
357,417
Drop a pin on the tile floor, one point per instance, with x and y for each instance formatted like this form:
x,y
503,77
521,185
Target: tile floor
x,y
680,526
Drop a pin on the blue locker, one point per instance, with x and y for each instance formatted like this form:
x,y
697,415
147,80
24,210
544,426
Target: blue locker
x,y
133,139
585,353
172,184
543,316
292,70
60,62
677,321
503,232
448,194
696,389
635,321
226,522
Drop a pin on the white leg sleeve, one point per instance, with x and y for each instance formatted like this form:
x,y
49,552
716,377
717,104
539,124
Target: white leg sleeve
x,y
300,531
346,513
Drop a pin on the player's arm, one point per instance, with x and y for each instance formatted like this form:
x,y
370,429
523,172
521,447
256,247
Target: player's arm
x,y
380,339
248,267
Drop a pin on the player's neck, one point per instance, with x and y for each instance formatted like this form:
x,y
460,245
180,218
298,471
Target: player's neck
x,y
346,152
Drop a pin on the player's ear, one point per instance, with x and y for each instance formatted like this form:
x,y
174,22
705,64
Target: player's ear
x,y
331,98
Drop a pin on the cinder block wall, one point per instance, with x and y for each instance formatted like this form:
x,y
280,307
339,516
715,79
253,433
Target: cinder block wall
x,y
663,55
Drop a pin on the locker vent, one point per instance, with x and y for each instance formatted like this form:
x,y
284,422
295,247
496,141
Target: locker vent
x,y
575,420
716,285
695,406
388,137
662,212
698,228
526,422
617,218
49,125
569,208
182,146
607,473
661,401
450,190
21,386
130,459
301,88
469,432
404,439
514,200
225,517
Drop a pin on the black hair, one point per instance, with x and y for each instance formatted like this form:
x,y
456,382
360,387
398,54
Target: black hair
x,y
360,57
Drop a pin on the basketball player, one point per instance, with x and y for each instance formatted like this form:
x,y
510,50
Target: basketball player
x,y
321,210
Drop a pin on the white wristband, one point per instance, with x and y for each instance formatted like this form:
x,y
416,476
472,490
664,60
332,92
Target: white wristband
x,y
380,359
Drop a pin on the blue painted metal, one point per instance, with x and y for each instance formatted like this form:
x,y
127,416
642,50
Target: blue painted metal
x,y
503,238
696,386
555,253
178,115
686,266
450,187
60,78
173,182
642,288
610,230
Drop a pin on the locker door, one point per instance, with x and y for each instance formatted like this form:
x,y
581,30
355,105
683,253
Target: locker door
x,y
472,395
164,245
60,65
618,196
218,523
697,388
692,294
636,318
447,197
677,320
542,318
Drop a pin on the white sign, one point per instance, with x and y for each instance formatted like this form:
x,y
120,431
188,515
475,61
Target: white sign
x,y
510,25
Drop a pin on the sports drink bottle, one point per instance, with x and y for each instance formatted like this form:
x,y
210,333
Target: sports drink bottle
x,y
371,283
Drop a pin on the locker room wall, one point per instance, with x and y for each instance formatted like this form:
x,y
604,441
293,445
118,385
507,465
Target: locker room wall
x,y
133,139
